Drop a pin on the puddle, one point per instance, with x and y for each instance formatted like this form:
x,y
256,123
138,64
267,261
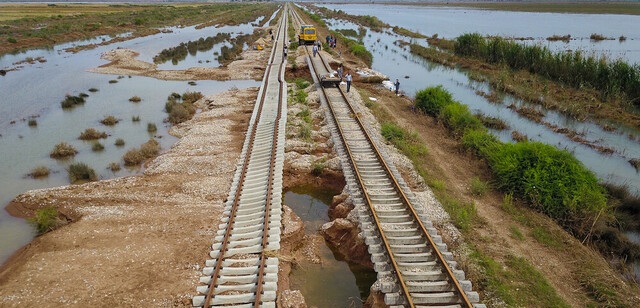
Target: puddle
x,y
334,282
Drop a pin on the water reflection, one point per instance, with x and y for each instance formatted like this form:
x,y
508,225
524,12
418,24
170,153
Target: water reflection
x,y
334,282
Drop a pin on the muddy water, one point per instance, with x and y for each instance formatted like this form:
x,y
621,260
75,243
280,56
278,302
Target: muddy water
x,y
35,90
334,282
415,74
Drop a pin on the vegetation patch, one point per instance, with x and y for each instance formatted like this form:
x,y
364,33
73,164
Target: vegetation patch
x,y
135,99
152,128
32,123
63,150
39,172
92,134
97,147
80,173
109,120
516,282
180,52
71,101
46,219
572,67
119,142
147,150
181,107
114,166
478,187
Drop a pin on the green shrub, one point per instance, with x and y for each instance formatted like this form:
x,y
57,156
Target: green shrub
x,y
12,40
46,219
432,99
317,168
81,172
63,150
391,132
152,128
301,97
551,180
458,119
480,141
92,134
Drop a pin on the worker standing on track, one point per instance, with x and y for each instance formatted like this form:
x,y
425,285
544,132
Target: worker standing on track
x,y
348,77
315,50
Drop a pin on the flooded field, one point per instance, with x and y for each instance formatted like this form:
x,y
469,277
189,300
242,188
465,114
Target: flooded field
x,y
333,282
416,74
34,91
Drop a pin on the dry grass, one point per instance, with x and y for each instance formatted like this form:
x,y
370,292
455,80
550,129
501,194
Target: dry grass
x,y
39,172
147,150
109,120
63,150
92,134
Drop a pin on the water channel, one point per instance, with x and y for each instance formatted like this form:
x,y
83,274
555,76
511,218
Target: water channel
x,y
333,282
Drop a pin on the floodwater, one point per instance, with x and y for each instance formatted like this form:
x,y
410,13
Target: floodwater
x,y
416,74
36,90
450,22
334,282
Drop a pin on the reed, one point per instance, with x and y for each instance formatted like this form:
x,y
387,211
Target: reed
x,y
611,78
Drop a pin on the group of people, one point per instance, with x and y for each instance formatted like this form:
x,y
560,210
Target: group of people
x,y
331,41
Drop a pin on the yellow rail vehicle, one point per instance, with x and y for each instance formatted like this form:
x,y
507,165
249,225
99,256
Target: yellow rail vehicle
x,y
307,35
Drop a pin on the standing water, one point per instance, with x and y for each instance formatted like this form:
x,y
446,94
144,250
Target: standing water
x,y
416,74
33,91
333,282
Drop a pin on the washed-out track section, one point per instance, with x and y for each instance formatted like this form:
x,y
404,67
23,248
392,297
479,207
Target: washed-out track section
x,y
413,265
240,273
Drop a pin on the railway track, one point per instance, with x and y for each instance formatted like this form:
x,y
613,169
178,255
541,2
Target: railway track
x,y
241,273
413,265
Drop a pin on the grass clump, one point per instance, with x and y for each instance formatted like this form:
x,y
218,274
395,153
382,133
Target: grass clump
x,y
81,172
97,147
32,123
516,282
181,107
93,90
114,166
301,83
147,150
479,187
109,120
462,214
63,150
39,172
152,128
459,119
305,132
407,142
317,168
119,142
71,101
301,97
135,99
135,118
92,134
46,219
113,81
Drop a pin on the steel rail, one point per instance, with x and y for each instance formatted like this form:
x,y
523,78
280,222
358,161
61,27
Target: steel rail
x,y
226,240
451,277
